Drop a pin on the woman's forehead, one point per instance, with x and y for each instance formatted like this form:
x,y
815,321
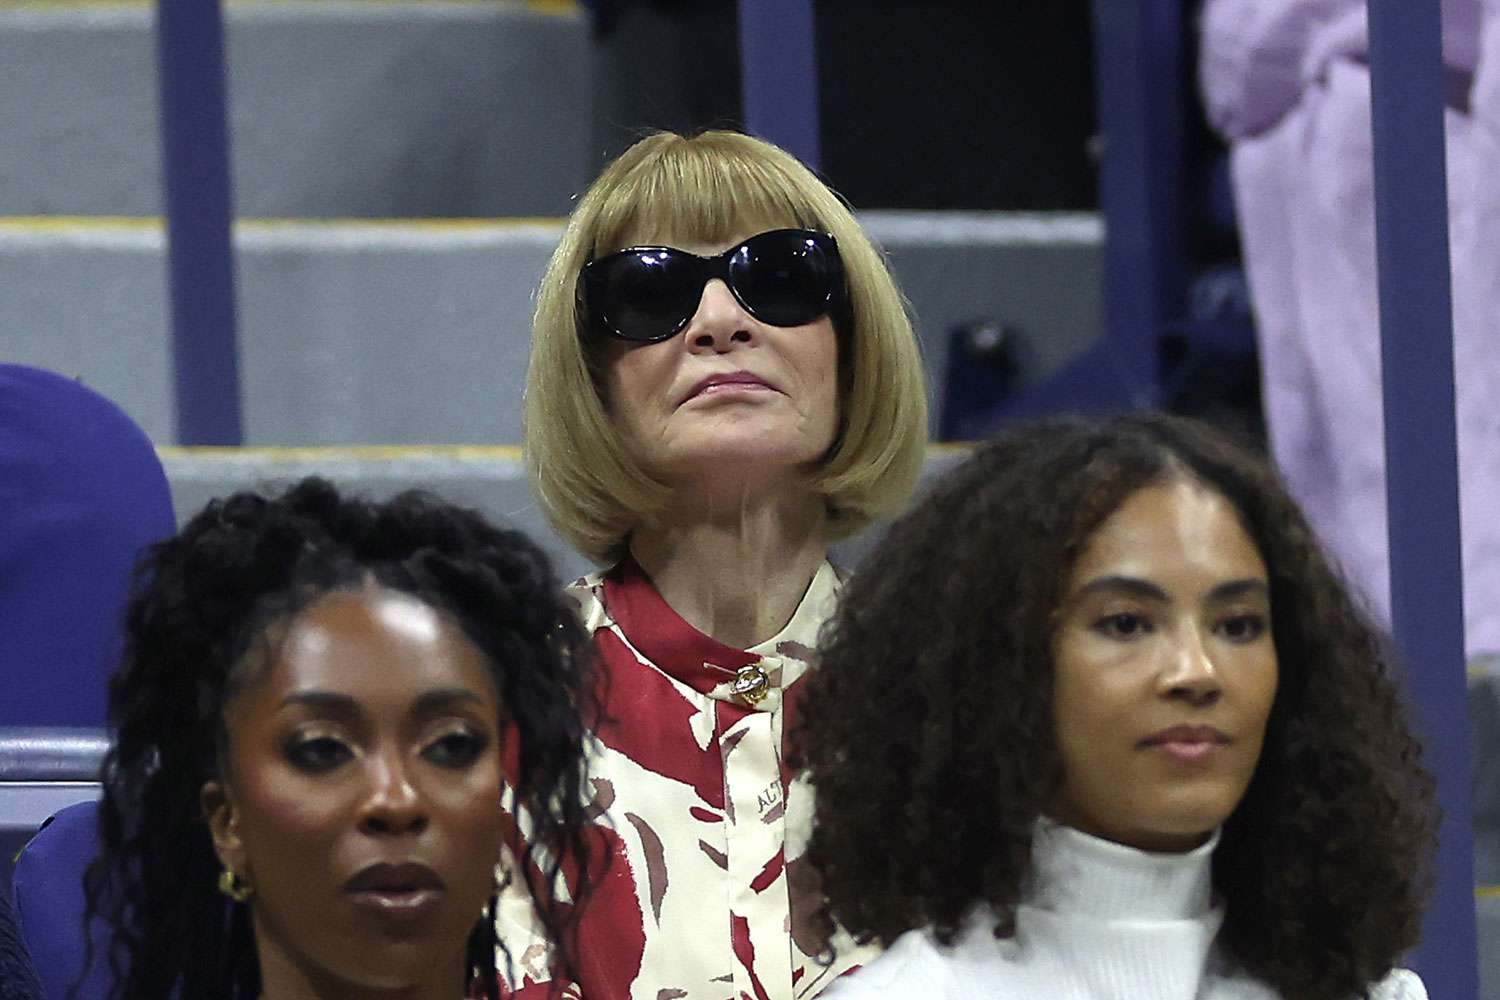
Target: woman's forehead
x,y
1171,526
346,639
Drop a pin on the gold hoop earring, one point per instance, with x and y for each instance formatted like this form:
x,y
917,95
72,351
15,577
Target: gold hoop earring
x,y
235,887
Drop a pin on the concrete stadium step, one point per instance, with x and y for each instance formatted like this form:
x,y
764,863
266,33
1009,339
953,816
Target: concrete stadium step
x,y
491,479
418,332
337,107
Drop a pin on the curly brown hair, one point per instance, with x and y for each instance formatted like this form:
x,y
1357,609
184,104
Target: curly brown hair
x,y
928,730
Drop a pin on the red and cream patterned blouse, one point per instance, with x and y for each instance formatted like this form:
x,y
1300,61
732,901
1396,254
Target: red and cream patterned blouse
x,y
709,897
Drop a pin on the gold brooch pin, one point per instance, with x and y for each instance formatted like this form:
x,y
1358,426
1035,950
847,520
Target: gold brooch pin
x,y
751,684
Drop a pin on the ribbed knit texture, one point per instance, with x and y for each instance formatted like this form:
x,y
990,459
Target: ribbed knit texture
x,y
18,980
1100,921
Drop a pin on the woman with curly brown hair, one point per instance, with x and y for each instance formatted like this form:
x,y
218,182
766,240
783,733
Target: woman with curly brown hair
x,y
1099,720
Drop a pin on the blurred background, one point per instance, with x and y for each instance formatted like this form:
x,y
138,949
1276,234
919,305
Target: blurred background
x,y
398,175
399,172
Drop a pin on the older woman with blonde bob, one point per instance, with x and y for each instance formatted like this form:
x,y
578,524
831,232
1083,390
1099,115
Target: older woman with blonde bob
x,y
723,382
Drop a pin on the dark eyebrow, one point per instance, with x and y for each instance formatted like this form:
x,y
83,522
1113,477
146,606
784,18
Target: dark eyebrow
x,y
429,702
1239,588
1134,586
1228,591
328,701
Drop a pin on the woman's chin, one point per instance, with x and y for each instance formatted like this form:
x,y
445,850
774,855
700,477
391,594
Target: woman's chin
x,y
740,458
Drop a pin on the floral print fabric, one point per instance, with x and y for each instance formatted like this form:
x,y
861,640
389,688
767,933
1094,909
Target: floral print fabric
x,y
708,896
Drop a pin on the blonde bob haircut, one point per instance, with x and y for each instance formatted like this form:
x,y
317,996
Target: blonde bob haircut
x,y
710,188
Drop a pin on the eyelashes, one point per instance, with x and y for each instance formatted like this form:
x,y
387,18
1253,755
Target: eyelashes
x,y
1244,627
455,748
1123,625
318,754
1239,628
458,748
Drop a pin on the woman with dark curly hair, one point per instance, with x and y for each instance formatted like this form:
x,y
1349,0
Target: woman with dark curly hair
x,y
1099,720
320,701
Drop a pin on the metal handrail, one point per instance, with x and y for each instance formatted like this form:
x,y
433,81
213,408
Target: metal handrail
x,y
51,753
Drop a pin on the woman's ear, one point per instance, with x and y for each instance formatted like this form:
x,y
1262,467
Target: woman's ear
x,y
222,816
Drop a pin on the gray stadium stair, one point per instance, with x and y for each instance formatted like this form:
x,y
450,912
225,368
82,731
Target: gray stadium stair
x,y
337,108
416,332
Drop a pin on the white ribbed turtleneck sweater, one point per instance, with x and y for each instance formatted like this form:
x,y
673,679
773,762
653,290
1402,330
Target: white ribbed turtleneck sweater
x,y
1100,921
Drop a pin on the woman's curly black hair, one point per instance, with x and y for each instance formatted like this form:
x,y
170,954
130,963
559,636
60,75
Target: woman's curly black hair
x,y
200,599
928,728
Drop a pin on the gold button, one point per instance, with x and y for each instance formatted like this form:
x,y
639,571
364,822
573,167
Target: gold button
x,y
751,684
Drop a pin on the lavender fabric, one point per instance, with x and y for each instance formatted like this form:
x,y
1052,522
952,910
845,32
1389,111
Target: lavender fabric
x,y
18,980
1258,57
1286,82
81,492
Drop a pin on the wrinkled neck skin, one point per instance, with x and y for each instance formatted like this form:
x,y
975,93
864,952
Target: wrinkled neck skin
x,y
735,560
288,976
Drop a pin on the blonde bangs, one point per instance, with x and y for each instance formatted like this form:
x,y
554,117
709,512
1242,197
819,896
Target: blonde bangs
x,y
707,189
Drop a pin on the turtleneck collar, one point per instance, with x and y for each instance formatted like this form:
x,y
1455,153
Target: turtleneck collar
x,y
1074,873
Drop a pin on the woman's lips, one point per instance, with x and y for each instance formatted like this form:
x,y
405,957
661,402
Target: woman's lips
x,y
1188,744
1188,752
405,906
403,892
730,383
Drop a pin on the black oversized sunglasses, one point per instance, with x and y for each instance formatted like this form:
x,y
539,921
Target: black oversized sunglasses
x,y
784,277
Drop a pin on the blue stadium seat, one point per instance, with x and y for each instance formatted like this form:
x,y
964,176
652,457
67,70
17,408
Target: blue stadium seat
x,y
81,492
48,887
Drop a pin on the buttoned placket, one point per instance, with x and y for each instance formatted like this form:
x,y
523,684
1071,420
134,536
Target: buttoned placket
x,y
755,803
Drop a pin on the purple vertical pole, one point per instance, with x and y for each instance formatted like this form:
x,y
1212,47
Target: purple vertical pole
x,y
195,170
1138,87
1416,326
779,75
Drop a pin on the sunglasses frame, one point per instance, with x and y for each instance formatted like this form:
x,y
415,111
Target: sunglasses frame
x,y
590,280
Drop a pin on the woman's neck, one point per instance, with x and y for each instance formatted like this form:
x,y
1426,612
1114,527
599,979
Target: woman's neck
x,y
297,993
304,990
285,977
736,567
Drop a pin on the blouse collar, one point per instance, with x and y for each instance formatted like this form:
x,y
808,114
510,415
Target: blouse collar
x,y
648,623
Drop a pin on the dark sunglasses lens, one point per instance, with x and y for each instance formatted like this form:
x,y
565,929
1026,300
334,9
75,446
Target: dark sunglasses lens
x,y
646,294
785,278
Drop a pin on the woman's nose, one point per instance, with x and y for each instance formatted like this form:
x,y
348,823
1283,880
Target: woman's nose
x,y
392,802
1190,673
720,323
